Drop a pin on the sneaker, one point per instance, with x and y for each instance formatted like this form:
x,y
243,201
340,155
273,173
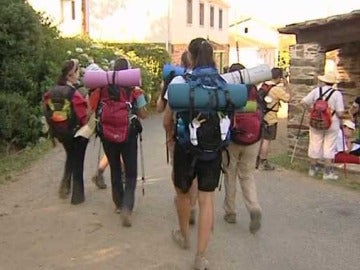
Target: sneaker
x,y
230,218
266,166
64,189
192,219
180,239
201,263
255,221
330,176
98,179
126,218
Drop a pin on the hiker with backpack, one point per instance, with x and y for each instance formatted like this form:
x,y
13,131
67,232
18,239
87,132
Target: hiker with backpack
x,y
272,93
326,107
118,113
66,111
199,140
160,107
239,159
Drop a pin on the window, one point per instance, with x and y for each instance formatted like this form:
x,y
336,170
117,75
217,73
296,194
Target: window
x,y
211,16
189,11
202,13
73,10
220,18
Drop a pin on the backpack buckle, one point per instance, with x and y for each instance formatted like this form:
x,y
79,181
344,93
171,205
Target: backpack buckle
x,y
128,105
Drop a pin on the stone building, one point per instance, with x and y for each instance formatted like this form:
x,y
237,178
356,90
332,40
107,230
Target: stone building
x,y
335,40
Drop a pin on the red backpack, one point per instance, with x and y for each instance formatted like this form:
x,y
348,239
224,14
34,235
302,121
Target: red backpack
x,y
113,113
320,115
246,125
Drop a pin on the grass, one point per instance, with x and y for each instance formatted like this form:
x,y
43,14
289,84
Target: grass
x,y
11,165
283,160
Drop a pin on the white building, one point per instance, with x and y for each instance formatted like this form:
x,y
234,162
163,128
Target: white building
x,y
68,15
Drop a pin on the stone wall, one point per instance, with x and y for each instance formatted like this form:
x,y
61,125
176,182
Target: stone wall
x,y
307,62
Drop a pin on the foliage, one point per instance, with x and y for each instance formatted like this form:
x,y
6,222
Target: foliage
x,y
31,55
19,124
284,53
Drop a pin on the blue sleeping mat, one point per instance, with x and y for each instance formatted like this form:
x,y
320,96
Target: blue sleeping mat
x,y
206,98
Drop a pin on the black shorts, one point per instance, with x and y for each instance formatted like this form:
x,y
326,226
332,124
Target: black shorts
x,y
269,132
207,172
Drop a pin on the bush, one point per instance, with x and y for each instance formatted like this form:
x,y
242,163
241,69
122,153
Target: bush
x,y
19,124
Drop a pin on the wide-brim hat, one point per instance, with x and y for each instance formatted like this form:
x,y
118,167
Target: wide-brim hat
x,y
328,77
348,123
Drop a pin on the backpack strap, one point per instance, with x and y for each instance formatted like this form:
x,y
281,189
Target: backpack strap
x,y
331,90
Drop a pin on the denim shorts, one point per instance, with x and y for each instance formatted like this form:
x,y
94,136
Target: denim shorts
x,y
185,170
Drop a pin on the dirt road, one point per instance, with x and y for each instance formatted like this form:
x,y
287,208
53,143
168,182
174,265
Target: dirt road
x,y
307,224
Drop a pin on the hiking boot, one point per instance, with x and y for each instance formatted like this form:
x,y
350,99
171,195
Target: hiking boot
x,y
230,218
330,176
266,166
64,189
180,239
201,263
98,179
255,221
126,218
192,219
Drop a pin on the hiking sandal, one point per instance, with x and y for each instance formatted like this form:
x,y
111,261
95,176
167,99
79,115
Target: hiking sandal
x,y
201,263
180,239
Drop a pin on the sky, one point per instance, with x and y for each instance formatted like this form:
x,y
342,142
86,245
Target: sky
x,y
283,12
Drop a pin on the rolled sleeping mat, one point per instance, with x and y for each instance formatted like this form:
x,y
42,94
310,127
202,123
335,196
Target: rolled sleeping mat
x,y
204,98
178,70
100,78
253,75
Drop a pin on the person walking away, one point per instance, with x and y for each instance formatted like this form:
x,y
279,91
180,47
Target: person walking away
x,y
66,111
160,107
187,165
322,142
130,104
238,163
276,94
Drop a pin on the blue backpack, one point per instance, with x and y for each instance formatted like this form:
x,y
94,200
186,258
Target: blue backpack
x,y
204,129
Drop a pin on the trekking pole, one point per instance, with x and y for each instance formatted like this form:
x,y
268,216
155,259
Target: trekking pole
x,y
257,162
167,148
142,164
297,136
343,142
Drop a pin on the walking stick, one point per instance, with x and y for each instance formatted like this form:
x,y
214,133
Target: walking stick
x,y
257,162
142,164
167,148
297,137
343,141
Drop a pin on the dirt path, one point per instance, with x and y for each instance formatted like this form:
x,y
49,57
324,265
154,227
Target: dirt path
x,y
307,224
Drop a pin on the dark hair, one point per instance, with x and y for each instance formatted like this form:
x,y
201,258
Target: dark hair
x,y
201,53
185,59
67,66
121,64
276,73
236,66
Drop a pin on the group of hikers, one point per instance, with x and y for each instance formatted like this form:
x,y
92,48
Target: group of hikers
x,y
203,142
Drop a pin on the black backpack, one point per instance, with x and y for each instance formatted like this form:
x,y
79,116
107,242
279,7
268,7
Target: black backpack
x,y
210,139
59,112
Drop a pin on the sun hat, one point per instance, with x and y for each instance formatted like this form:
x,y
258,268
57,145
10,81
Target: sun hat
x,y
348,123
328,77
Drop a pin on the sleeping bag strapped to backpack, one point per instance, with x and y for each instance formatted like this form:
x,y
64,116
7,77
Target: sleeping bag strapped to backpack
x,y
115,119
203,112
59,112
321,115
246,124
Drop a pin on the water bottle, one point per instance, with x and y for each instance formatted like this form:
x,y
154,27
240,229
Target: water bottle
x,y
181,131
